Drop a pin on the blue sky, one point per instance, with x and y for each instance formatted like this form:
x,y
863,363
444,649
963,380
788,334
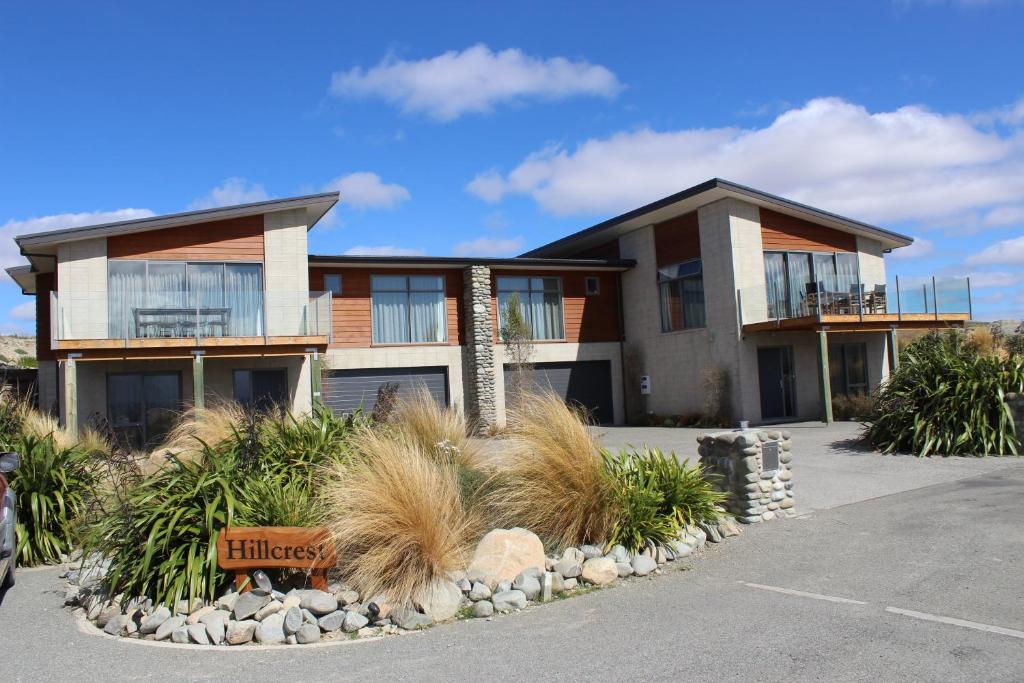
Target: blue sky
x,y
479,129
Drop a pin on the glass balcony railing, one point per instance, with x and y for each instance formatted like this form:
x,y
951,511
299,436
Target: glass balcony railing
x,y
183,315
903,296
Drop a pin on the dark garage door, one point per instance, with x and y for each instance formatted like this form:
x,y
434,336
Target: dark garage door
x,y
347,390
586,383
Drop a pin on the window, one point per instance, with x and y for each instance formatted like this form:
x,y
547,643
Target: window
x,y
541,301
179,299
141,407
681,290
262,389
332,283
593,285
408,309
791,275
848,369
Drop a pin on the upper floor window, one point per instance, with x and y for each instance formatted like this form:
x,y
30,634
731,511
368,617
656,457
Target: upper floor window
x,y
681,289
332,284
184,299
796,281
408,309
593,285
541,301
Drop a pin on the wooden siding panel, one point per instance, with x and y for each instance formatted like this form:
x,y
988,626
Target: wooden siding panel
x,y
587,318
351,316
677,239
238,239
608,250
780,232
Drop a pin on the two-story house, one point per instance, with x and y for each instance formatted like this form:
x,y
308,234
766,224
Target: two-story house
x,y
140,319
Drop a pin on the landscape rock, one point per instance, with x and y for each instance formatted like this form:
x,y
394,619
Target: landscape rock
x,y
197,634
624,568
106,613
332,621
353,622
504,553
479,591
180,635
272,607
227,601
483,608
681,549
347,597
569,567
164,631
215,629
271,630
643,565
117,625
410,619
240,632
557,583
307,633
319,602
528,584
506,601
292,620
591,551
570,584
546,587
599,571
198,614
574,554
618,553
249,603
152,622
289,602
503,586
464,585
441,600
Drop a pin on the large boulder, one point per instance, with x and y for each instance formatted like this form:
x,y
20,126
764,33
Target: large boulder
x,y
600,571
441,600
504,553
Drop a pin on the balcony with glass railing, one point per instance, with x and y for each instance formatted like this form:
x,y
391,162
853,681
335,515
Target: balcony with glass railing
x,y
912,302
150,318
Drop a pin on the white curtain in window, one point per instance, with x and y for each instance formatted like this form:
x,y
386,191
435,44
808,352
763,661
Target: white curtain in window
x,y
126,291
390,317
427,316
243,295
775,283
846,271
799,268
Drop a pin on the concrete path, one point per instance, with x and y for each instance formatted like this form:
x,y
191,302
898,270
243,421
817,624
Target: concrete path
x,y
830,465
919,585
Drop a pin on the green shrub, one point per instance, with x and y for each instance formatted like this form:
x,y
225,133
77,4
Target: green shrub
x,y
657,496
50,486
160,534
947,398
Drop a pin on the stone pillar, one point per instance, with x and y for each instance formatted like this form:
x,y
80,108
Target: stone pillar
x,y
738,458
478,354
1016,403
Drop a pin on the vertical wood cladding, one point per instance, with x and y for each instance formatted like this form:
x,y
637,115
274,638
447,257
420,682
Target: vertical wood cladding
x,y
351,317
587,318
780,232
608,250
677,239
45,283
237,239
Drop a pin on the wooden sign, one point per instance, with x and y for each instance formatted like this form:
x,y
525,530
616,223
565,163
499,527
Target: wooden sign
x,y
274,547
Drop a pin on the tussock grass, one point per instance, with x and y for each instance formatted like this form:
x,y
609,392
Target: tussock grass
x,y
211,425
436,430
41,425
398,517
551,478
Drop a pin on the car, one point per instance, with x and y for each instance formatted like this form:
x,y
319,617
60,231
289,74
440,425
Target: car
x,y
8,521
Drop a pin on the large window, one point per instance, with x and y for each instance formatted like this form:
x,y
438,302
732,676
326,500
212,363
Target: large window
x,y
541,302
141,407
848,369
408,309
681,289
179,299
798,281
262,389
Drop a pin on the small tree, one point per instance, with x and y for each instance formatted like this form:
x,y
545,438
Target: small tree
x,y
518,339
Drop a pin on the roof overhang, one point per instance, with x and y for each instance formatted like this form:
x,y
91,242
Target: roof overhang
x,y
40,248
24,277
711,191
434,262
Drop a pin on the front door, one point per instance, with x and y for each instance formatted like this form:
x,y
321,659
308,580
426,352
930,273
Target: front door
x,y
776,379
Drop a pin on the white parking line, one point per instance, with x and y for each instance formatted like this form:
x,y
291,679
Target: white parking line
x,y
957,622
804,594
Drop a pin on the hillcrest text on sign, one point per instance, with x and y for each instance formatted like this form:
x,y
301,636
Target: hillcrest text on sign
x,y
273,547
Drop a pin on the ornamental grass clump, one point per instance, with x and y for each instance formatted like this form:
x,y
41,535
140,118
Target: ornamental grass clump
x,y
551,479
435,429
398,517
947,398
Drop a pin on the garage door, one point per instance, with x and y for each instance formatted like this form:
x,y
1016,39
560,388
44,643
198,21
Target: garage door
x,y
346,390
584,383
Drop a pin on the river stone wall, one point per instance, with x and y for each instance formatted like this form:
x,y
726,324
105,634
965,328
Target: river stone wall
x,y
478,353
1016,403
737,457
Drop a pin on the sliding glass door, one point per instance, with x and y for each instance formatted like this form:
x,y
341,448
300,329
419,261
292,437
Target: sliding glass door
x,y
142,407
799,283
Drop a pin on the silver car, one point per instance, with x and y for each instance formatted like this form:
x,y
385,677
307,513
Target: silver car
x,y
8,520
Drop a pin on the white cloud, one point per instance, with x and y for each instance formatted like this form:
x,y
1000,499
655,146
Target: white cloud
x,y
383,250
23,311
232,191
1004,252
995,279
473,80
9,254
364,190
920,248
1005,215
489,246
902,165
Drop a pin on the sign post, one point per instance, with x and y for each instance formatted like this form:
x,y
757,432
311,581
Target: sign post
x,y
276,547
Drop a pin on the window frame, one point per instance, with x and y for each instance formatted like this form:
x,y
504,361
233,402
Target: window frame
x,y
250,371
812,257
341,284
663,280
143,405
842,350
443,303
527,309
597,285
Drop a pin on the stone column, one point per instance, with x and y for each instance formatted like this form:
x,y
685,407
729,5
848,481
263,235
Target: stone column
x,y
754,494
1016,403
478,354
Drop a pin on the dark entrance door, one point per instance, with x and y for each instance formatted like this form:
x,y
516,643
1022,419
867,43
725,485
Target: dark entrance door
x,y
776,379
262,389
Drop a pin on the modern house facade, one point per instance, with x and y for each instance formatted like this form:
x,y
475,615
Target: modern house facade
x,y
140,319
